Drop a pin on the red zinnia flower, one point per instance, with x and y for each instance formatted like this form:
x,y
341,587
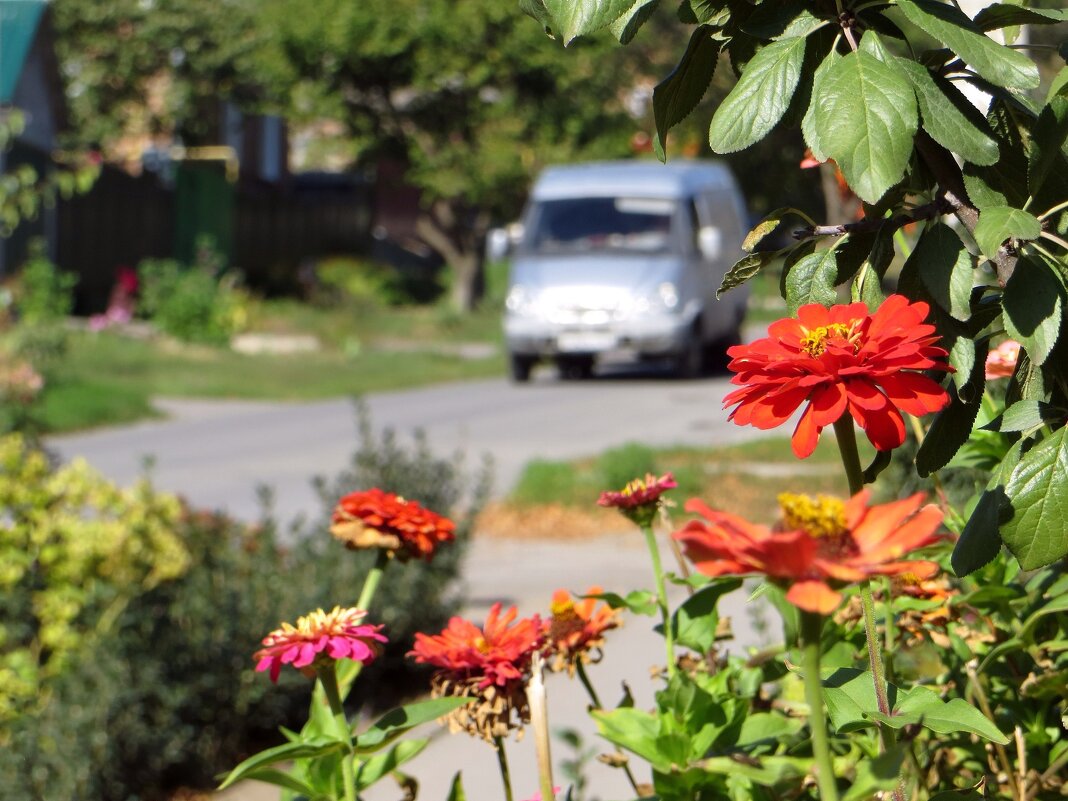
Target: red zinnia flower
x,y
822,543
837,360
377,519
640,499
320,637
490,664
577,628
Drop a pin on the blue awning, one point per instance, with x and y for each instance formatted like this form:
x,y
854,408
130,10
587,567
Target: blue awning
x,y
19,20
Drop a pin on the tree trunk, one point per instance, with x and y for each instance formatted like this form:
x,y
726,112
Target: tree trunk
x,y
459,239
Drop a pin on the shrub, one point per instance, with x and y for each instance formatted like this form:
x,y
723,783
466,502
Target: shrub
x,y
620,465
44,293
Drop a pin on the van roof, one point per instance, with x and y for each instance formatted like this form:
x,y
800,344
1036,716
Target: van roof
x,y
644,178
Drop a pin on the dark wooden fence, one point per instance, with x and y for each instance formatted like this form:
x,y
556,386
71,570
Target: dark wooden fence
x,y
125,219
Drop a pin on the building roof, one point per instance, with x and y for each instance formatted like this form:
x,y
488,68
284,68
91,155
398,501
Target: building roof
x,y
19,20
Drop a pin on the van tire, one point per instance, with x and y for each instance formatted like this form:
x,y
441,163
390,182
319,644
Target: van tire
x,y
576,368
519,367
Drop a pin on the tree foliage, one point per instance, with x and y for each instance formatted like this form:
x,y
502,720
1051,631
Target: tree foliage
x,y
877,87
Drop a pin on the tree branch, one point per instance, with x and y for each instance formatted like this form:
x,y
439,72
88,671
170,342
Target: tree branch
x,y
936,208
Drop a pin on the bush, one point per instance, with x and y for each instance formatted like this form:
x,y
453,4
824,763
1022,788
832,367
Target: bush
x,y
167,695
44,294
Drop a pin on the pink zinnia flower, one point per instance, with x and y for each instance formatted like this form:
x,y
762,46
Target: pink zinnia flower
x,y
318,638
640,499
1001,362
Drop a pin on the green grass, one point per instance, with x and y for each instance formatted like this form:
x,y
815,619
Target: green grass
x,y
109,378
743,479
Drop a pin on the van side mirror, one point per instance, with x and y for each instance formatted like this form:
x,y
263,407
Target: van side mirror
x,y
501,242
710,241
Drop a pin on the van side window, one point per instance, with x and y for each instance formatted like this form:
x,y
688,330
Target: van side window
x,y
718,209
695,227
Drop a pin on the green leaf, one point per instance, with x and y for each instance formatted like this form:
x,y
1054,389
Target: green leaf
x,y
864,116
760,98
877,775
280,778
573,18
397,721
640,602
1001,15
745,268
680,92
371,770
704,12
1056,605
809,128
922,705
811,280
770,222
946,269
766,771
999,223
980,541
635,730
993,61
1033,306
766,727
1037,532
456,789
782,20
282,753
949,117
626,27
694,622
962,360
1048,143
953,425
850,698
1023,415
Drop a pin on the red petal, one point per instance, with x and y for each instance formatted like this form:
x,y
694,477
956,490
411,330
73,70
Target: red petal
x,y
806,434
814,596
914,393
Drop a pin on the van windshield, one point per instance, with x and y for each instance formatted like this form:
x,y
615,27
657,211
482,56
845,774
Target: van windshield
x,y
599,224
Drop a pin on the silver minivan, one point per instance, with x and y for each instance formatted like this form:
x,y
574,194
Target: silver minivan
x,y
625,258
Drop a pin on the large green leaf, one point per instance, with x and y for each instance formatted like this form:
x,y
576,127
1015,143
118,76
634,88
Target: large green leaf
x,y
370,771
695,621
998,223
1034,307
635,730
625,28
980,541
811,280
993,61
946,269
680,92
864,116
572,18
279,778
397,721
809,129
1001,15
850,698
922,705
876,776
953,425
282,753
1037,533
1049,142
949,117
760,98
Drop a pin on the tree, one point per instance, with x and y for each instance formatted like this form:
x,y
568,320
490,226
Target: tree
x,y
877,87
464,93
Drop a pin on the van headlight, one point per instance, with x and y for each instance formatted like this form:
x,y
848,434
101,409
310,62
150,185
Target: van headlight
x,y
521,301
664,300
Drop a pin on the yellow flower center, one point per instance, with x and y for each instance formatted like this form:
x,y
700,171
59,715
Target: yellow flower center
x,y
562,608
815,341
821,516
482,646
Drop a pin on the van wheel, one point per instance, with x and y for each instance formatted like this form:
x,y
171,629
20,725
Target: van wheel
x,y
690,363
520,367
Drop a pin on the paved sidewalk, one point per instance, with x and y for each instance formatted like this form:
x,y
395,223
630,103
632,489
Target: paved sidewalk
x,y
525,573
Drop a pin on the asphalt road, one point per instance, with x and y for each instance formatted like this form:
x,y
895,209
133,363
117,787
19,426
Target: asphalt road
x,y
216,453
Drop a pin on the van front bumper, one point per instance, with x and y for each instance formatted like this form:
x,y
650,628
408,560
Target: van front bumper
x,y
654,336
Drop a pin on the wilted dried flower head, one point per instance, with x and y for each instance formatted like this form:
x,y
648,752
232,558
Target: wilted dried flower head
x,y
490,664
377,519
1001,361
320,638
576,629
837,361
641,498
822,543
19,382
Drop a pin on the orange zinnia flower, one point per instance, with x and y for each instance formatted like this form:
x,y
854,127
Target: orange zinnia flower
x,y
822,543
489,664
318,638
577,628
640,499
1001,362
377,519
837,360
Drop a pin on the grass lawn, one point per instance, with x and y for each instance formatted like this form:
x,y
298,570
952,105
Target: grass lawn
x,y
559,498
109,378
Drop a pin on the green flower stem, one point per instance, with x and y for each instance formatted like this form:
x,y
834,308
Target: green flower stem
x,y
661,596
328,681
580,669
350,669
847,447
502,762
811,627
